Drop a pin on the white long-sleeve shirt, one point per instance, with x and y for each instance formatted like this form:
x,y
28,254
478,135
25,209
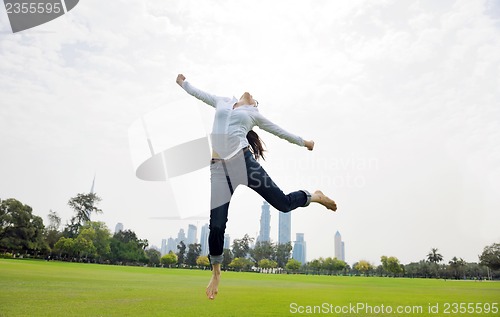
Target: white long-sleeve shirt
x,y
231,126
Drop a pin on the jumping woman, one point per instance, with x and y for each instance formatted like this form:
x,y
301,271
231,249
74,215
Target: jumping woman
x,y
235,151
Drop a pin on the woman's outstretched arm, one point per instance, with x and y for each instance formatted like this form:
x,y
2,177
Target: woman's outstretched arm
x,y
270,127
207,98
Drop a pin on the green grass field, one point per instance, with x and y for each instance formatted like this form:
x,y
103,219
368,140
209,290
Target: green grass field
x,y
38,288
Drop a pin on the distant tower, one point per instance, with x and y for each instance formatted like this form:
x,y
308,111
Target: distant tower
x,y
204,239
171,245
181,236
265,223
118,227
285,227
339,247
192,232
227,241
299,249
89,211
93,186
163,250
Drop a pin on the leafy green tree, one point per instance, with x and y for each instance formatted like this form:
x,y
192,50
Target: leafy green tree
x,y
126,247
418,269
241,247
263,250
154,257
329,265
65,247
317,265
84,205
293,265
283,252
84,247
227,259
457,267
364,267
20,230
491,256
333,265
99,234
203,261
340,265
391,265
241,264
169,259
181,255
194,251
267,264
52,233
54,221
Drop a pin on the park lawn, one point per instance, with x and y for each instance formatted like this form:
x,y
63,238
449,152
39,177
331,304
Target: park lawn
x,y
40,288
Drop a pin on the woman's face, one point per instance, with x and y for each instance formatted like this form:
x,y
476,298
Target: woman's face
x,y
248,99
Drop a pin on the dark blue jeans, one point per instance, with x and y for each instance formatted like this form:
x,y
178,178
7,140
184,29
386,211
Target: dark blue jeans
x,y
243,169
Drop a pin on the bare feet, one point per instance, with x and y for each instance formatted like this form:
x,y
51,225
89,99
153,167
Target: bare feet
x,y
213,286
324,200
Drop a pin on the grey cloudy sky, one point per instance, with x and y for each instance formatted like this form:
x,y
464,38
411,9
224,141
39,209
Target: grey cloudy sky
x,y
402,99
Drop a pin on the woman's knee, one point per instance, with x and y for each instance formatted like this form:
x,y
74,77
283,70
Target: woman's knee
x,y
217,228
218,218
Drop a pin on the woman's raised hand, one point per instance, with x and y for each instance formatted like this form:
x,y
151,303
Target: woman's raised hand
x,y
309,145
180,79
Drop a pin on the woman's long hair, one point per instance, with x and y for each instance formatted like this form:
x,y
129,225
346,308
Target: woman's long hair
x,y
256,144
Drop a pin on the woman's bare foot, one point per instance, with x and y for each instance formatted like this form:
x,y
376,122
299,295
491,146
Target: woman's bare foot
x,y
319,197
213,286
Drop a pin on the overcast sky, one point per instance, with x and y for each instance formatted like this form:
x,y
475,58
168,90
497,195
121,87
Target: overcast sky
x,y
402,99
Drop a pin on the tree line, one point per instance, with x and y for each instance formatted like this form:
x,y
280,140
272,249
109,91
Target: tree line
x,y
24,234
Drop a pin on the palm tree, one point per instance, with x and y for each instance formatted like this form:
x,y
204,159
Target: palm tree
x,y
434,257
457,266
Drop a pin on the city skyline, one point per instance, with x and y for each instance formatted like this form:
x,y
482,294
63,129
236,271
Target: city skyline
x,y
284,233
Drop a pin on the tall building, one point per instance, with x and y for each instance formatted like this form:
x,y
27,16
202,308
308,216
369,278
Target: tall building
x,y
171,246
118,227
204,239
163,249
285,227
265,223
181,236
192,233
227,241
93,185
339,247
299,249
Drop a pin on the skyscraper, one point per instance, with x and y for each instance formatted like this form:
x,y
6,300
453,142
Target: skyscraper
x,y
204,239
171,245
192,232
299,249
265,223
227,241
285,227
163,249
181,236
118,227
339,247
